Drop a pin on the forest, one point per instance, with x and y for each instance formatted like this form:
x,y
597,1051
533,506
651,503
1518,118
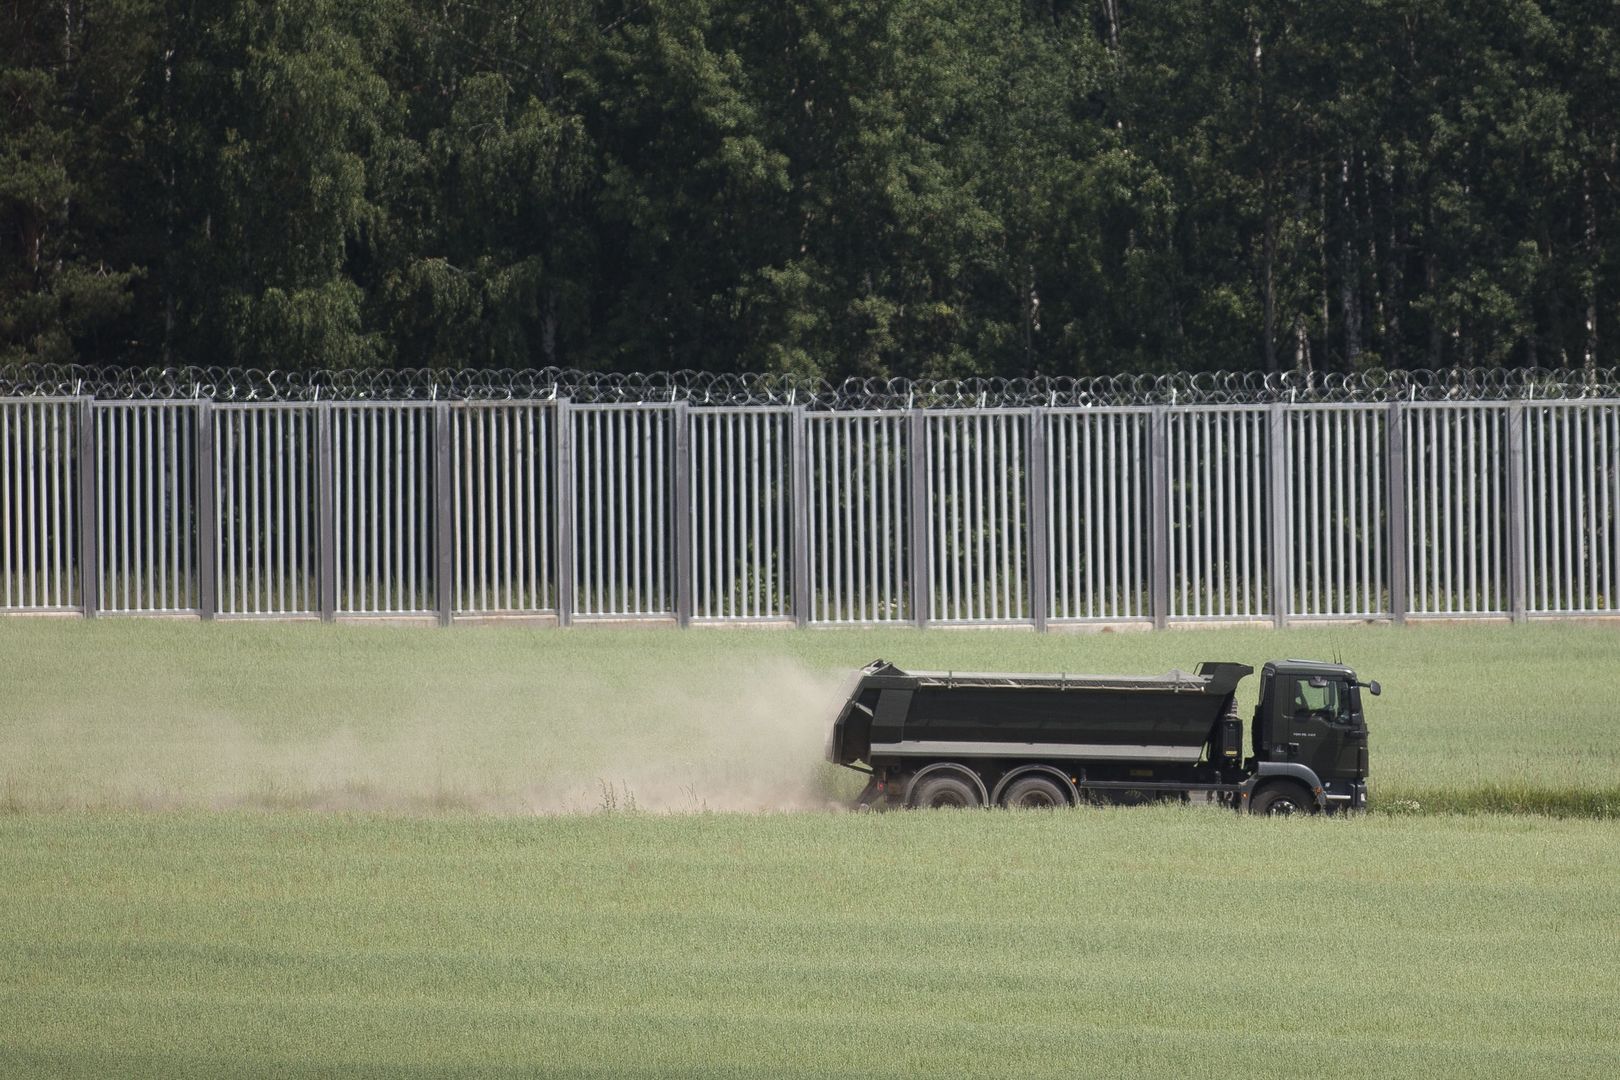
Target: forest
x,y
923,188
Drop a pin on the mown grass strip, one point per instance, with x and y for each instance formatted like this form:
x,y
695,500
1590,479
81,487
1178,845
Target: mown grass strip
x,y
126,714
1502,799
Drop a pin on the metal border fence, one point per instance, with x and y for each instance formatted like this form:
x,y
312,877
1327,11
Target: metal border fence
x,y
1034,516
265,537
1096,500
861,508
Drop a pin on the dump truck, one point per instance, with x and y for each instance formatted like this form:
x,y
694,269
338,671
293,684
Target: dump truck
x,y
964,739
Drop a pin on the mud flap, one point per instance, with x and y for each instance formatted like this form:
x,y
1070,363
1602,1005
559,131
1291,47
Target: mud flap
x,y
871,795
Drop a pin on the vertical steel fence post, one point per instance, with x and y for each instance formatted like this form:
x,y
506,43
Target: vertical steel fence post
x,y
562,521
681,507
207,512
443,515
799,523
1159,515
325,513
1035,486
1516,578
917,534
1395,492
1277,513
89,450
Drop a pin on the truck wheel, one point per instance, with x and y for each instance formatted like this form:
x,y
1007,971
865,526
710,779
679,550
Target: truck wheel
x,y
945,792
1035,793
1278,800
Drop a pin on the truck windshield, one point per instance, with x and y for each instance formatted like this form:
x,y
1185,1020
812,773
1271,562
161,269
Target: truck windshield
x,y
1329,702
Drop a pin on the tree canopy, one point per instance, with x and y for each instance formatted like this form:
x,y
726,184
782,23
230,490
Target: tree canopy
x,y
830,187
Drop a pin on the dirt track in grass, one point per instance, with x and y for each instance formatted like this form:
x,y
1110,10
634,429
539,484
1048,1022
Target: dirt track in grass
x,y
123,714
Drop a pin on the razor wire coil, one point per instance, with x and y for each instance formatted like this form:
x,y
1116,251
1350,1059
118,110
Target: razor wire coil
x,y
234,384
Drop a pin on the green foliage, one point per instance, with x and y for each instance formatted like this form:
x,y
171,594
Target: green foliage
x,y
281,108
838,187
74,177
1122,943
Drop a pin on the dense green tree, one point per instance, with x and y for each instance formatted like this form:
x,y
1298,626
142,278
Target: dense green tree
x,y
484,258
910,187
75,178
282,117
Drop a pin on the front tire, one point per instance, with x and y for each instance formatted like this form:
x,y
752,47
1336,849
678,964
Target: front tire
x,y
945,792
1282,800
1035,793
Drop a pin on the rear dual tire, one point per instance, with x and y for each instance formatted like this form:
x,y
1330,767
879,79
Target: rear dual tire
x,y
945,792
950,792
1035,793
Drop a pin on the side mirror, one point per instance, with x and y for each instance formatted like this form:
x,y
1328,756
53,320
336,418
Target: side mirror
x,y
1375,688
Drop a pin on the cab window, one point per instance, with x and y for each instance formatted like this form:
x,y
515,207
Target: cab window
x,y
1329,701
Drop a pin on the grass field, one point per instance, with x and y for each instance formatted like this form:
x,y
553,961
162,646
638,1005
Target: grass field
x,y
115,714
174,903
1112,943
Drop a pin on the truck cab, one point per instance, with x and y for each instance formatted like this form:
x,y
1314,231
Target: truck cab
x,y
1309,726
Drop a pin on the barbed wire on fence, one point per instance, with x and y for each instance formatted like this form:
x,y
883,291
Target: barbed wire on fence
x,y
230,384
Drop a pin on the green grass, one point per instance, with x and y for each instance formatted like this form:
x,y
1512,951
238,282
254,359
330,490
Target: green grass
x,y
455,934
117,713
1113,943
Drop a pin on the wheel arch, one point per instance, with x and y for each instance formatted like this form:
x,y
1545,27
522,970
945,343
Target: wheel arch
x,y
970,774
1012,776
1270,772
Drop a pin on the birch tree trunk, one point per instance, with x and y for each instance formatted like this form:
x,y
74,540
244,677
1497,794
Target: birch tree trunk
x,y
1349,292
1590,232
1269,287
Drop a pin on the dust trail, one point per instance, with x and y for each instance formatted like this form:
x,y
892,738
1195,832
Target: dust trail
x,y
754,742
648,738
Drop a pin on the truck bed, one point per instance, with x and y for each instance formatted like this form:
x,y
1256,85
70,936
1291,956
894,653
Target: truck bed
x,y
1006,715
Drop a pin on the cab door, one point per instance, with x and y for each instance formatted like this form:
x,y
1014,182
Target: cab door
x,y
1353,748
1315,718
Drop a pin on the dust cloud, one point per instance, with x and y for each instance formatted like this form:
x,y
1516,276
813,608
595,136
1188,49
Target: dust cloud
x,y
649,738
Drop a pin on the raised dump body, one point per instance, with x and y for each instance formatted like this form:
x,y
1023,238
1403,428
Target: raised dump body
x,y
946,738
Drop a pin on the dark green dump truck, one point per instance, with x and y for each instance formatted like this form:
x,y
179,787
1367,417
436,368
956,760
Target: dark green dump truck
x,y
942,738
